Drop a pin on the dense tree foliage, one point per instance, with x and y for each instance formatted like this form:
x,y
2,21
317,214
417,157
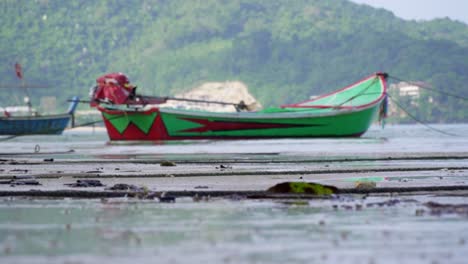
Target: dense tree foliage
x,y
284,50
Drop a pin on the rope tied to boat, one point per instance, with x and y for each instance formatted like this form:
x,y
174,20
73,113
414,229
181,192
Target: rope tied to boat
x,y
427,87
420,121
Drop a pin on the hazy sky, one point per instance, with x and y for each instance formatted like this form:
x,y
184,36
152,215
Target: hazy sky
x,y
423,9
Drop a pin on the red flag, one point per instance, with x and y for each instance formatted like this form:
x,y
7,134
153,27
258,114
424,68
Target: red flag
x,y
19,70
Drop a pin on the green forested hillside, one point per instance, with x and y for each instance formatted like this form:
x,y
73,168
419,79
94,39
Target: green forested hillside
x,y
284,51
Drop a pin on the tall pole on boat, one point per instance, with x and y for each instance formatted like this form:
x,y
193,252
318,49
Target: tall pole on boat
x,y
19,74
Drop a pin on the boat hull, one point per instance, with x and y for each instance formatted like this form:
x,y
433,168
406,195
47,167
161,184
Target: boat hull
x,y
171,124
32,125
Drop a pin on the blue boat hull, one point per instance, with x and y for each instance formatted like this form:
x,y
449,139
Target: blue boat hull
x,y
38,125
34,125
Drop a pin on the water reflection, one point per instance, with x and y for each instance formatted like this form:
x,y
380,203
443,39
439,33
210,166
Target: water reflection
x,y
326,231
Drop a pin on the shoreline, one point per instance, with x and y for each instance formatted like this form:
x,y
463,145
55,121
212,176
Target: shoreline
x,y
460,191
228,175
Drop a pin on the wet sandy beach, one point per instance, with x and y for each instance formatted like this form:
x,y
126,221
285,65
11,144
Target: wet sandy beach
x,y
398,157
230,174
402,196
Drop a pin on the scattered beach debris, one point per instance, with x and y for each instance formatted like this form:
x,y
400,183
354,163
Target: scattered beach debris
x,y
49,160
232,197
419,212
167,199
85,184
303,188
145,193
19,170
201,187
94,171
19,180
126,187
223,167
347,207
365,183
440,209
25,182
167,163
201,198
23,177
390,202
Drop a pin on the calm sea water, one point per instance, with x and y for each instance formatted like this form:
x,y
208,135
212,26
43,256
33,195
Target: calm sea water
x,y
393,139
344,230
225,231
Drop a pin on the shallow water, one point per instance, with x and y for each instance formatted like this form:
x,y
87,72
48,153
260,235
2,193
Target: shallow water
x,y
399,139
226,231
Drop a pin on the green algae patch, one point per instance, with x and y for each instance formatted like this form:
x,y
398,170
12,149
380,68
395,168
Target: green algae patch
x,y
303,188
366,179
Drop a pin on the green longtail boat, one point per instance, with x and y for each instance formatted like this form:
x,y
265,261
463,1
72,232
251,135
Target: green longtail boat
x,y
347,112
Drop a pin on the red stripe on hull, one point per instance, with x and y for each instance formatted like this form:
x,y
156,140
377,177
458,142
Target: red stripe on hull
x,y
230,126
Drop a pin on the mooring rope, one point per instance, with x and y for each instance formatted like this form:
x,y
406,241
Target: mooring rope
x,y
419,121
429,88
9,137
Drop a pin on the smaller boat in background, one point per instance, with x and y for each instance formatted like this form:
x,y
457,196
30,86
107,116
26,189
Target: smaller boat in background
x,y
32,123
23,120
